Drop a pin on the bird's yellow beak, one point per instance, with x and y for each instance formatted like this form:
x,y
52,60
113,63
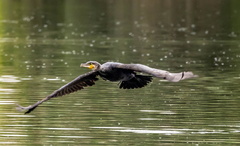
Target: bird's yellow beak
x,y
91,66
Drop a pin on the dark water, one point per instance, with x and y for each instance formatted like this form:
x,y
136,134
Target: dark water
x,y
42,44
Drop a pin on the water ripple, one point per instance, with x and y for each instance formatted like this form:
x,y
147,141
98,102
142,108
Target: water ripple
x,y
70,136
6,102
9,78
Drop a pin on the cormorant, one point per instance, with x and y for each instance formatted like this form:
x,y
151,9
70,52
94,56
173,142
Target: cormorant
x,y
125,74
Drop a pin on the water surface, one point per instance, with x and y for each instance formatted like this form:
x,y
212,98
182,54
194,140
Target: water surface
x,y
43,43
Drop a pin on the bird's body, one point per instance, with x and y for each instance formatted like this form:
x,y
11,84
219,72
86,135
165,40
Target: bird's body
x,y
108,72
125,74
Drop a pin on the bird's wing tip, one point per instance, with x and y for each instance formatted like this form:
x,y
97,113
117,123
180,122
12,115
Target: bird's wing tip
x,y
188,75
191,74
21,108
176,77
195,76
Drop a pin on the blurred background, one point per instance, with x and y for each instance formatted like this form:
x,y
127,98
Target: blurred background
x,y
42,44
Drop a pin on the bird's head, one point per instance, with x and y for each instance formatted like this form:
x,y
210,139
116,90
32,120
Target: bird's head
x,y
94,65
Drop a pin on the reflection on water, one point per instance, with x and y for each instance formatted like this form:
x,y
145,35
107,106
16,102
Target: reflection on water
x,y
158,111
43,43
143,131
9,78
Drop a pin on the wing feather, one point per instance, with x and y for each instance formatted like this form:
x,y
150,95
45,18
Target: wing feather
x,y
78,83
173,77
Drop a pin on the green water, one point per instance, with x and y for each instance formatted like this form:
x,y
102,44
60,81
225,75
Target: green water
x,y
42,44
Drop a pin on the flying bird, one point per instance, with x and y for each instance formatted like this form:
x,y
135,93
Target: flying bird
x,y
125,74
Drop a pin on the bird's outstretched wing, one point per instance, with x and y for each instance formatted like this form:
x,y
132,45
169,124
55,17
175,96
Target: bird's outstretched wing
x,y
173,77
78,83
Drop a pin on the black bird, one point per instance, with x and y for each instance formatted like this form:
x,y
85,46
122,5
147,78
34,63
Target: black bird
x,y
125,74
